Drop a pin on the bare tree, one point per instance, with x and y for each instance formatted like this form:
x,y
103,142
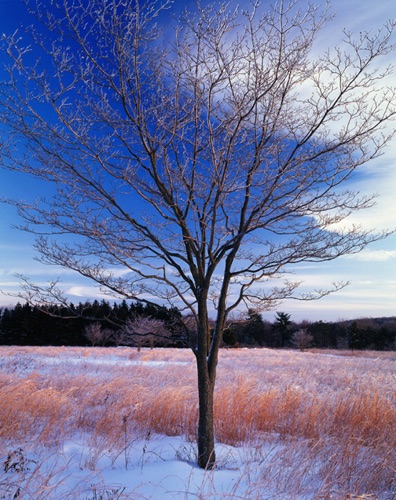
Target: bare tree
x,y
203,162
98,335
144,331
301,339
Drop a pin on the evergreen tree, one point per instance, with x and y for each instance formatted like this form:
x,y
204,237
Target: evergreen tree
x,y
282,326
253,331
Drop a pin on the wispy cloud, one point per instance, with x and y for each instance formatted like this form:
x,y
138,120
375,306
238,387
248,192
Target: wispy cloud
x,y
85,291
355,15
374,255
377,176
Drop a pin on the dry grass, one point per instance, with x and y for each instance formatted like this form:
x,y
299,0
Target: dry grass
x,y
333,417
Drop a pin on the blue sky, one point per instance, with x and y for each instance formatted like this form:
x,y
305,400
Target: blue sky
x,y
372,273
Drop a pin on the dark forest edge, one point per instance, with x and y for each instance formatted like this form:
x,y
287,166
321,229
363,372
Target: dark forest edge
x,y
142,325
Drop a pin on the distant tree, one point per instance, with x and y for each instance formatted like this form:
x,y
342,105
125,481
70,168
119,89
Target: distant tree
x,y
202,163
386,338
122,311
324,333
342,340
6,326
282,326
144,331
229,337
21,327
97,335
301,339
354,336
253,328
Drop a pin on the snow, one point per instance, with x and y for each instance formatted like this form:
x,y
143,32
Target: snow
x,y
111,361
155,466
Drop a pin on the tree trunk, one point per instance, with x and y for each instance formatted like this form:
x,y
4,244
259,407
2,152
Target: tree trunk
x,y
206,357
206,448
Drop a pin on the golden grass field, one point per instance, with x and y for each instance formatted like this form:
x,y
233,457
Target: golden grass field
x,y
331,416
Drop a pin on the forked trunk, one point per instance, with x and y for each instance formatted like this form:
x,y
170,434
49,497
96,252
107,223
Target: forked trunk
x,y
207,357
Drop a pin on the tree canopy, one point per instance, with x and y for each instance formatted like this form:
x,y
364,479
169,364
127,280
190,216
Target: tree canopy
x,y
192,167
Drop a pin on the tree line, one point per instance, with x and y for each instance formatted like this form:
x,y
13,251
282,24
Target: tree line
x,y
96,323
139,325
363,333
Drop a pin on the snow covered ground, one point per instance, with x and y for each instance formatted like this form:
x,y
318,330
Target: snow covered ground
x,y
159,467
53,444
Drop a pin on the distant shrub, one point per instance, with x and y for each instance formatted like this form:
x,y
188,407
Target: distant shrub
x,y
301,340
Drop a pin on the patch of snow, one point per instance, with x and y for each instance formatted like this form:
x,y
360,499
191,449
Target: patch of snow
x,y
110,361
158,467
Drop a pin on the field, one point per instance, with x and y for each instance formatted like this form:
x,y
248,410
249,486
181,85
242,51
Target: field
x,y
95,423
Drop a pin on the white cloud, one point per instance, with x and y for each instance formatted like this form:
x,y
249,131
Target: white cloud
x,y
379,175
374,255
85,291
377,178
